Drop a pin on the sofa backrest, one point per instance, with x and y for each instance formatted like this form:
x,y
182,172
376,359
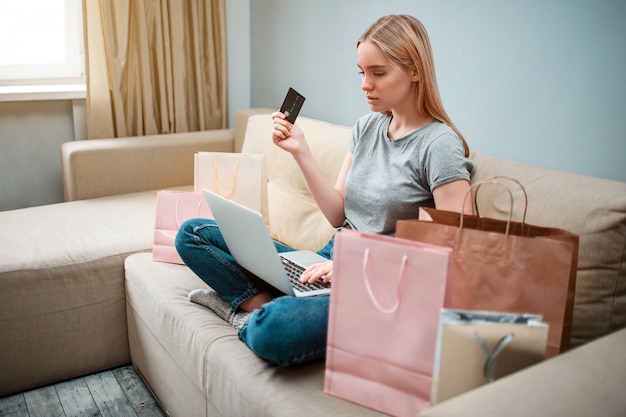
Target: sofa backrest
x,y
102,167
294,217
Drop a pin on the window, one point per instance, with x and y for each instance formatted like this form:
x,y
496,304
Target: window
x,y
41,42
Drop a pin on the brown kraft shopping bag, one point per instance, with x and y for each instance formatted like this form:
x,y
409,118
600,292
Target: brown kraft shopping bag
x,y
501,265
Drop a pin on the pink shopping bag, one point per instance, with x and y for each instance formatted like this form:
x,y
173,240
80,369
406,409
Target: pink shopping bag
x,y
384,314
173,208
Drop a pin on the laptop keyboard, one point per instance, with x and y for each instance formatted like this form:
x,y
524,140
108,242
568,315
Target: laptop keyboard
x,y
294,271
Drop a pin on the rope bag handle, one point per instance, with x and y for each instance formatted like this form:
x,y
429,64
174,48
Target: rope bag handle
x,y
370,292
217,180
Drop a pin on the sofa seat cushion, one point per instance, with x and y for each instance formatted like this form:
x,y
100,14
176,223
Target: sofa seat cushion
x,y
594,209
78,231
218,366
157,294
295,218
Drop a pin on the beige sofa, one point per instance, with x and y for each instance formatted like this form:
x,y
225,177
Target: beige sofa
x,y
72,300
62,296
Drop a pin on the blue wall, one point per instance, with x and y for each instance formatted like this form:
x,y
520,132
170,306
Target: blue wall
x,y
536,81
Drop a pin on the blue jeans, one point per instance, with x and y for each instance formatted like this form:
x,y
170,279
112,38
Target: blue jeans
x,y
286,331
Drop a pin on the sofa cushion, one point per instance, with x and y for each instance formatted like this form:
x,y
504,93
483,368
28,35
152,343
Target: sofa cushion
x,y
156,296
295,218
594,209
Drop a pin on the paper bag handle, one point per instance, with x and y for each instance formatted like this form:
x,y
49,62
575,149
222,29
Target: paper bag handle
x,y
490,365
178,201
370,292
477,185
493,180
178,222
217,180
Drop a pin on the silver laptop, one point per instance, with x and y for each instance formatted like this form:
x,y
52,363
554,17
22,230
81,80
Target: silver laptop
x,y
252,247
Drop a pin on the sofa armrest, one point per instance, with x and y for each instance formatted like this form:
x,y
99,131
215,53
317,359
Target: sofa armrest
x,y
586,381
103,167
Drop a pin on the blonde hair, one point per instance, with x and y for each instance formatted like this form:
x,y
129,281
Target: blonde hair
x,y
405,43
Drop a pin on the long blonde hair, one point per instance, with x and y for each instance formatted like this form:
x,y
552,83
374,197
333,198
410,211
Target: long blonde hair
x,y
405,43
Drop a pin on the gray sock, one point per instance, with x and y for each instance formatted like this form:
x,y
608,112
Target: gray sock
x,y
210,299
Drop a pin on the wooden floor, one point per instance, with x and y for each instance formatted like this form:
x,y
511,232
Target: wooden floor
x,y
118,392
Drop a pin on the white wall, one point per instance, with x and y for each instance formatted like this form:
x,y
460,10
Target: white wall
x,y
540,82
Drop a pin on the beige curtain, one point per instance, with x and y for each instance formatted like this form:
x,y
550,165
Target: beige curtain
x,y
154,66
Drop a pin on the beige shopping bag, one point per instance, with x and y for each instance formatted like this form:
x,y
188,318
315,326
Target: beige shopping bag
x,y
237,176
477,347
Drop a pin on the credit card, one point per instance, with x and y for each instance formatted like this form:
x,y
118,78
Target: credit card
x,y
292,104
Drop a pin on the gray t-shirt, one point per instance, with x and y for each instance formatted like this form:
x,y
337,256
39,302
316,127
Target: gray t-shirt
x,y
390,179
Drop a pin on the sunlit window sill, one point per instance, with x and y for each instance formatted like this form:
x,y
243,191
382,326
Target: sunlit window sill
x,y
43,92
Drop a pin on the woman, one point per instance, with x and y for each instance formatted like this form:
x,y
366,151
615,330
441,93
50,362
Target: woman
x,y
403,155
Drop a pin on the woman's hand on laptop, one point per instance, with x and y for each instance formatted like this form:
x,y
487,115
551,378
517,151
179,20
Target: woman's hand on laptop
x,y
322,270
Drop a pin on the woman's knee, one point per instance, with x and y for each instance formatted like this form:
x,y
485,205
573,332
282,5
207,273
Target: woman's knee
x,y
184,234
188,232
262,335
